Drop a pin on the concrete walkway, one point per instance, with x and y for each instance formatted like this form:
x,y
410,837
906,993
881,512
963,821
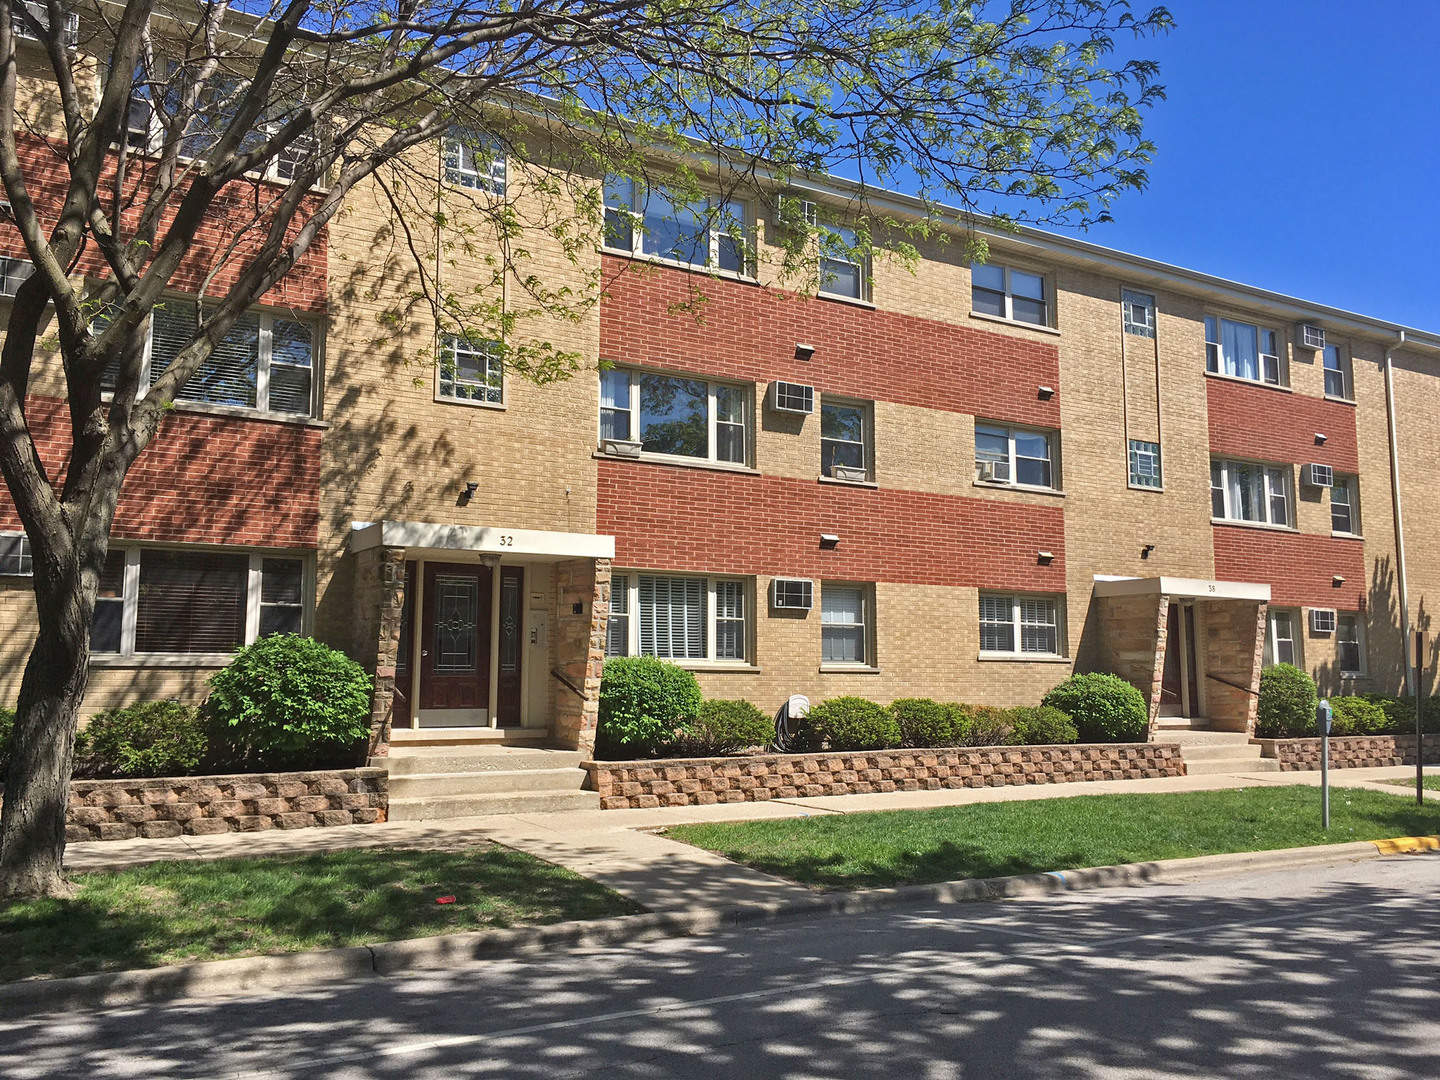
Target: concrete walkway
x,y
620,849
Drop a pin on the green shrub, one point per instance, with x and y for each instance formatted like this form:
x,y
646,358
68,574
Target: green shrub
x,y
149,738
1043,726
1358,716
984,725
924,722
7,732
1399,713
1429,716
287,701
644,704
1286,709
851,723
723,727
1103,708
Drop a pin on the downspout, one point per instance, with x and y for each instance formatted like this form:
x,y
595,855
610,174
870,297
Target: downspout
x,y
1400,577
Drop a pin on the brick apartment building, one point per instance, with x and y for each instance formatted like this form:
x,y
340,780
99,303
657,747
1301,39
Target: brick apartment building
x,y
952,481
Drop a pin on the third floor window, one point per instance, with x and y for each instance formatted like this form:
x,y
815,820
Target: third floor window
x,y
1243,351
1007,293
652,220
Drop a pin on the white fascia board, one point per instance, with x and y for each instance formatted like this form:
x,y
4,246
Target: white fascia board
x,y
1184,588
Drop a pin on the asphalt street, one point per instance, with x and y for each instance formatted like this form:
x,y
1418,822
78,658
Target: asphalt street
x,y
1315,973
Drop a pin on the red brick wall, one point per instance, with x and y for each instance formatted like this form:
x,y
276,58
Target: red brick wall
x,y
1270,425
232,217
747,332
203,479
671,518
1298,567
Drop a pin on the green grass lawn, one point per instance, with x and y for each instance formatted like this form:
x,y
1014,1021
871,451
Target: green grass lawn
x,y
1432,782
904,847
171,912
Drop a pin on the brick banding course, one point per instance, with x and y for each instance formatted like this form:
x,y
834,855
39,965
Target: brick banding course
x,y
1350,752
204,805
629,785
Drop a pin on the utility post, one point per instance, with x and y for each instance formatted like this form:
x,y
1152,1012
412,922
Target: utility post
x,y
1323,716
1419,644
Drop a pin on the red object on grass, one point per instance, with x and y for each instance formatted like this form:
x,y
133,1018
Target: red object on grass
x,y
445,899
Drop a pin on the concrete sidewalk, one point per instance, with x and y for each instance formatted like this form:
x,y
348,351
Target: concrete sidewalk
x,y
619,849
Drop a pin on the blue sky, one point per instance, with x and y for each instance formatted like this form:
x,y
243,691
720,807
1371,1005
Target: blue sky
x,y
1299,151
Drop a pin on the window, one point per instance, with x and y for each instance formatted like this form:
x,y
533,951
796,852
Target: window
x,y
1344,507
15,558
265,362
1008,294
472,370
676,416
204,602
1020,624
12,273
1337,372
1281,644
844,270
652,221
1242,491
41,14
843,439
474,161
844,624
1139,313
1242,350
1144,464
1013,456
679,618
1349,650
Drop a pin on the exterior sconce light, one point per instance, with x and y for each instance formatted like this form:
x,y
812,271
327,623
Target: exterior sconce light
x,y
829,541
1146,550
804,351
471,486
1321,438
1045,393
1337,581
1045,558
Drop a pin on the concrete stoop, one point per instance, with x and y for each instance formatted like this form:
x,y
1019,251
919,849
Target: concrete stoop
x,y
453,781
1209,752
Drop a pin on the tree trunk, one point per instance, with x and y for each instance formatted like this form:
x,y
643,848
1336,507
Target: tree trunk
x,y
37,792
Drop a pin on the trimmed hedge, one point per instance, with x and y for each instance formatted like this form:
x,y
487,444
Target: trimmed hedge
x,y
1358,716
1043,726
924,722
723,727
149,738
850,723
1103,708
645,704
984,725
1286,707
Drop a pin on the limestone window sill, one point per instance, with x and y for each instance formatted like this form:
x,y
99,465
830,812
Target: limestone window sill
x,y
1022,658
1019,323
847,483
854,301
1032,489
714,668
1249,382
1262,525
681,463
162,660
848,669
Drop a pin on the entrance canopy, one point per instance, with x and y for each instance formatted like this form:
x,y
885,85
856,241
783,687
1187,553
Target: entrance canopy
x,y
1182,588
421,539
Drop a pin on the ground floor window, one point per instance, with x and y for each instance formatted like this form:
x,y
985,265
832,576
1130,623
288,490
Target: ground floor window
x,y
208,602
1020,624
1282,646
845,623
679,618
1349,644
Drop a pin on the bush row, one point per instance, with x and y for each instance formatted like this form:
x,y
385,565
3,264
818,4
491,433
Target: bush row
x,y
1288,698
285,702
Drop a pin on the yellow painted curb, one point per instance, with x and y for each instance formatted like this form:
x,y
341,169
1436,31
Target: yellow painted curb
x,y
1403,845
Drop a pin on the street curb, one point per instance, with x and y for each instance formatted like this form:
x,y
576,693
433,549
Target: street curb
x,y
299,970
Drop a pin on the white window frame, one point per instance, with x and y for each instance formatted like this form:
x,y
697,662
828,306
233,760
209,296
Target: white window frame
x,y
1350,485
845,238
712,423
1354,620
1008,303
263,360
629,580
1133,301
867,432
739,209
1016,603
866,625
1273,638
463,173
1342,369
1264,369
24,560
1278,482
13,272
1010,431
1138,449
130,600
493,354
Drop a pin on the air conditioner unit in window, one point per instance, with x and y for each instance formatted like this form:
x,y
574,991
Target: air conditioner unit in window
x,y
849,473
1322,620
20,28
792,594
792,397
1313,475
992,472
1309,336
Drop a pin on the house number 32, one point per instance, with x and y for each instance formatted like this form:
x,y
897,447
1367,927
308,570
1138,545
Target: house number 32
x,y
507,541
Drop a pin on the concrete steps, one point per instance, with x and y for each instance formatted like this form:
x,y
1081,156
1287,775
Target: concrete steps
x,y
1209,752
450,780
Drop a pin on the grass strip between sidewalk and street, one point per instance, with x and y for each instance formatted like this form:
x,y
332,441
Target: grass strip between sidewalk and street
x,y
175,912
984,840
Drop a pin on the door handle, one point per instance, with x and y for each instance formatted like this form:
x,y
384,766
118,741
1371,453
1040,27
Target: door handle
x,y
424,652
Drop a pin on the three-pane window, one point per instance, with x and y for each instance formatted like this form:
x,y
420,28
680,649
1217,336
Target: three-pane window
x,y
652,220
1139,313
1242,350
1244,491
1337,372
474,161
1019,624
844,428
844,624
676,416
678,618
1344,513
472,370
1008,293
1144,464
1014,456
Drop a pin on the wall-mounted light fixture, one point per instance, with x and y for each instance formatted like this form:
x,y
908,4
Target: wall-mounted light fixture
x,y
1146,550
1321,438
1045,558
804,351
829,541
1337,581
1045,393
471,486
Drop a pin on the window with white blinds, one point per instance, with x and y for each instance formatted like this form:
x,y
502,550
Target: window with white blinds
x,y
679,618
196,602
844,626
1020,625
265,362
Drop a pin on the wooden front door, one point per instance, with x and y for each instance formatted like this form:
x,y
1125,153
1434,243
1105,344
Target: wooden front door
x,y
511,646
455,637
